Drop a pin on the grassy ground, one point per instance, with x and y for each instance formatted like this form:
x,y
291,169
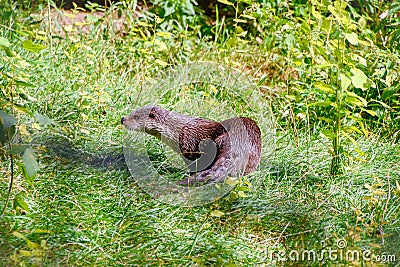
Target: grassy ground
x,y
87,210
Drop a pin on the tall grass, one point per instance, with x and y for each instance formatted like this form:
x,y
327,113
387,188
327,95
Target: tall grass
x,y
84,208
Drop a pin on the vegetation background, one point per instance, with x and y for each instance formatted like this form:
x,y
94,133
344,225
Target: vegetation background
x,y
329,70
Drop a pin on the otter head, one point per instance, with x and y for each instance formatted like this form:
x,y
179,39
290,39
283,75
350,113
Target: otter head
x,y
148,119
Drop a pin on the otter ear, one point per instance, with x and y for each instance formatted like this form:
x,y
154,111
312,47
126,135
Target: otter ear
x,y
152,113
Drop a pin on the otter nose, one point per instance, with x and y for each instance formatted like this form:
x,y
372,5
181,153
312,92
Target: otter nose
x,y
122,120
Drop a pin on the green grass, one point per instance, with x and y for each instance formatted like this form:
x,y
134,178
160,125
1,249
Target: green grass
x,y
87,210
99,216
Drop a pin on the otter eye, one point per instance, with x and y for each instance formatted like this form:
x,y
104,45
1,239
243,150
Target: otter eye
x,y
152,116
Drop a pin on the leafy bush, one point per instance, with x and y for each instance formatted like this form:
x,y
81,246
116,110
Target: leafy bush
x,y
176,14
337,76
15,107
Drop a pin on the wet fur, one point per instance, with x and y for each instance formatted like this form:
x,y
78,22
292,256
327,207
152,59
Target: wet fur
x,y
228,148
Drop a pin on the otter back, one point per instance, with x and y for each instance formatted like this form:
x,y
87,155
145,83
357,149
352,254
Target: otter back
x,y
212,150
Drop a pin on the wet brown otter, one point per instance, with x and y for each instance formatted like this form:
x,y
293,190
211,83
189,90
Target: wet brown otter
x,y
212,150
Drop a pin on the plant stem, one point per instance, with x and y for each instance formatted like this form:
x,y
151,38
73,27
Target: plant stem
x,y
50,30
10,185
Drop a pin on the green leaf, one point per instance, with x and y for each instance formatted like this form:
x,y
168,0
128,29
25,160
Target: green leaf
x,y
327,120
354,101
216,213
17,149
316,14
322,66
354,95
351,129
344,81
43,119
23,109
324,87
4,42
226,2
29,243
6,134
352,37
231,181
190,7
7,120
321,104
42,231
263,79
20,202
359,79
8,51
240,20
362,128
370,112
91,19
30,46
161,62
335,105
359,59
248,16
24,83
27,97
30,164
388,93
327,25
169,8
350,138
341,5
381,103
242,194
24,172
328,134
164,34
19,235
333,10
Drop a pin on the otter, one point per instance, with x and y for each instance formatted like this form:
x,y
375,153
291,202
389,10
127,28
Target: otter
x,y
211,150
